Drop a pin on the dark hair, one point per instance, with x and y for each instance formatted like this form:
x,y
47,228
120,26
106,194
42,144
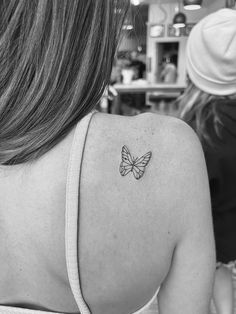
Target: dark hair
x,y
55,62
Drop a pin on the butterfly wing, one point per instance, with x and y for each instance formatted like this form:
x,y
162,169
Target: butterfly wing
x,y
126,163
144,160
125,168
125,155
138,172
140,164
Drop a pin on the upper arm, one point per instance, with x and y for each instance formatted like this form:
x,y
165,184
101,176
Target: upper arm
x,y
188,286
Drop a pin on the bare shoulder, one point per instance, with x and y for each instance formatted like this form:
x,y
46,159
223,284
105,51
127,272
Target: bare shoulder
x,y
140,219
175,134
180,163
177,166
174,145
151,127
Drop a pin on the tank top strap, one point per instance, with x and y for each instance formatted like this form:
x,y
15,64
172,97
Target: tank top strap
x,y
17,310
72,210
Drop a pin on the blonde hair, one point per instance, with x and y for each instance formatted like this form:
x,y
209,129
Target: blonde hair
x,y
198,107
55,62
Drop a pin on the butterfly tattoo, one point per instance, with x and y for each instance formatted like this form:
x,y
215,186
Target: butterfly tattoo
x,y
134,165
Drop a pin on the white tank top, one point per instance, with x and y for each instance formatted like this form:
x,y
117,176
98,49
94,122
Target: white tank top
x,y
71,224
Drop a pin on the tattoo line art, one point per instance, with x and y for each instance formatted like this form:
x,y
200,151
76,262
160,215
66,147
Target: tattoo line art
x,y
134,165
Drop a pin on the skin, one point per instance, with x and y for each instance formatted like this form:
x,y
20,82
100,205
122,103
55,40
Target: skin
x,y
134,235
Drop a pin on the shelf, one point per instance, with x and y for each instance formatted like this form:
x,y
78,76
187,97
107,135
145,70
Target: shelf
x,y
146,87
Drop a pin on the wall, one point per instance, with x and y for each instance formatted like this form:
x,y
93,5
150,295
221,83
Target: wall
x,y
215,5
131,42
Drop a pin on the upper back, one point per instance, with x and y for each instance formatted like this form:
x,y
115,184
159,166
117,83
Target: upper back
x,y
128,229
120,216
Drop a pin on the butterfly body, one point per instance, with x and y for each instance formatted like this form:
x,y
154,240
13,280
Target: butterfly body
x,y
135,165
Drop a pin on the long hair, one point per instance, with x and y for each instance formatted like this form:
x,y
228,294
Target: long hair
x,y
197,108
55,62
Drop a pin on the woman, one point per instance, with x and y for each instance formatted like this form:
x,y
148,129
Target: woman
x,y
208,105
86,226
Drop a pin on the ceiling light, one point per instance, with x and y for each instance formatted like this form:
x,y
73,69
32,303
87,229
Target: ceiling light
x,y
179,20
135,2
192,4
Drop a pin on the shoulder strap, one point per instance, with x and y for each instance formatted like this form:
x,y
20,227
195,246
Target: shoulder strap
x,y
72,210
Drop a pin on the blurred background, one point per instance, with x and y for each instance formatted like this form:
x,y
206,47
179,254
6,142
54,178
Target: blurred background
x,y
149,71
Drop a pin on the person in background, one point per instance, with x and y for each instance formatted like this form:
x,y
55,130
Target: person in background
x,y
169,73
209,106
99,213
138,65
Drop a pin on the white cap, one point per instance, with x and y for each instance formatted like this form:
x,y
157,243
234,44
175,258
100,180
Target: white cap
x,y
211,53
